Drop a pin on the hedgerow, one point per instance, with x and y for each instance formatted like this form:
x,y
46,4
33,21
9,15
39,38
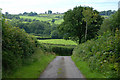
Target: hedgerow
x,y
102,54
17,46
60,50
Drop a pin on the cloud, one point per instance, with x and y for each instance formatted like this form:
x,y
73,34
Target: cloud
x,y
18,6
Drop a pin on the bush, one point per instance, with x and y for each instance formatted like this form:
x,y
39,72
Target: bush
x,y
55,35
62,51
58,49
102,54
111,23
17,46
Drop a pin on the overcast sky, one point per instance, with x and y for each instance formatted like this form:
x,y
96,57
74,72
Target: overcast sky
x,y
40,6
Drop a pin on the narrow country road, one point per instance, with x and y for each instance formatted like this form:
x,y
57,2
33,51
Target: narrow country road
x,y
62,67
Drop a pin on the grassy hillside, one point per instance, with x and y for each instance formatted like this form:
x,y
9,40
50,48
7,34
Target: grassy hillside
x,y
46,17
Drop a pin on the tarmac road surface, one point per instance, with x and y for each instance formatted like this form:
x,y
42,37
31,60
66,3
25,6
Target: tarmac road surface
x,y
62,67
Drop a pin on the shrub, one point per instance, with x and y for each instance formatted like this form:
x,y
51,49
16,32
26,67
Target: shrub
x,y
102,54
62,51
57,49
17,46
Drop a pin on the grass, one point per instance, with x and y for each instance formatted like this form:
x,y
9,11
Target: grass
x,y
46,17
35,17
85,70
59,21
58,41
51,15
59,45
33,70
105,16
41,36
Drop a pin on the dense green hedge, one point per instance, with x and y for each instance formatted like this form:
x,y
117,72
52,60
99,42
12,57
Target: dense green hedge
x,y
16,47
58,49
102,54
62,51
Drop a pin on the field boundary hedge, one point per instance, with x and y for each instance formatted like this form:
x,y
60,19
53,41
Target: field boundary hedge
x,y
61,50
102,54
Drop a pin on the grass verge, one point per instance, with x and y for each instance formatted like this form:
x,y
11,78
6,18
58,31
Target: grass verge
x,y
85,70
36,67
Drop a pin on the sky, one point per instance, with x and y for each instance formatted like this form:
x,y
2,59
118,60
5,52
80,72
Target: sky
x,y
40,6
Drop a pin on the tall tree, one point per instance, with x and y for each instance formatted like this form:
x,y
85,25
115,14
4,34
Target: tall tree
x,y
89,17
49,12
74,25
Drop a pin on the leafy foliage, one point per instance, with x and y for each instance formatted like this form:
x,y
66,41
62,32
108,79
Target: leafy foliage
x,y
42,24
39,28
74,25
17,46
37,64
58,49
55,35
111,23
89,17
9,16
102,54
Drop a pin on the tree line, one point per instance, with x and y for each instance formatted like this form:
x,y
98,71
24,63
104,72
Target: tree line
x,y
107,13
40,28
29,14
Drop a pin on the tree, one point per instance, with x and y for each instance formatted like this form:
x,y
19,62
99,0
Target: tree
x,y
32,14
45,12
74,25
29,20
108,13
0,15
89,17
25,13
34,19
55,35
111,24
6,13
53,20
49,12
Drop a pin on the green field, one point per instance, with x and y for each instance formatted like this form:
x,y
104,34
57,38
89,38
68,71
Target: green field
x,y
46,17
58,41
105,16
59,21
